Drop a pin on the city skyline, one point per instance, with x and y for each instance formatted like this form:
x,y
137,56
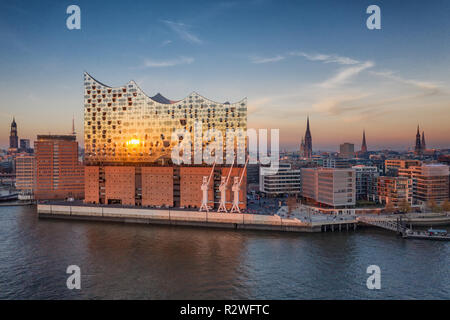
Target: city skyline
x,y
383,81
231,150
364,147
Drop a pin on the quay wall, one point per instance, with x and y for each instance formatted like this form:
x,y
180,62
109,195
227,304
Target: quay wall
x,y
176,217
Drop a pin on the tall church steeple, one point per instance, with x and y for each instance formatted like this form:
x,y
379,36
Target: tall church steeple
x,y
308,141
13,137
418,147
423,144
364,145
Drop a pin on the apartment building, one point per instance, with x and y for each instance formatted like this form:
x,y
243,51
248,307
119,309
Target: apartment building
x,y
59,175
392,166
25,176
329,187
430,182
394,190
285,180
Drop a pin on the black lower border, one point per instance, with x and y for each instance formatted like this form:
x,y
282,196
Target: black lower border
x,y
224,309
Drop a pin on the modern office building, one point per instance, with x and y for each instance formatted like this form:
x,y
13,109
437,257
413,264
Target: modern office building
x,y
129,143
392,166
59,175
430,182
25,175
329,187
283,181
394,190
366,182
347,150
336,163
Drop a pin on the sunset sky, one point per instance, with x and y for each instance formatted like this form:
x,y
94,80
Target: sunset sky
x,y
289,58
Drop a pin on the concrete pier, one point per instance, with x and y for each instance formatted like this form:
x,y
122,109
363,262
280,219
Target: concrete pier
x,y
339,224
176,217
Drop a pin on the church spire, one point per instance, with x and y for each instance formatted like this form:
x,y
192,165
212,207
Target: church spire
x,y
308,141
423,144
13,137
418,146
364,145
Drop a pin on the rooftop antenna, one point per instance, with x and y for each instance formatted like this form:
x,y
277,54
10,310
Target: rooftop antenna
x,y
73,125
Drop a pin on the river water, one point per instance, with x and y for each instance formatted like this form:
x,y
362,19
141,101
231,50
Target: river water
x,y
124,261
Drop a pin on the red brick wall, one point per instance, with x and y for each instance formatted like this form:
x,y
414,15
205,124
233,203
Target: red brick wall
x,y
120,184
191,179
157,186
236,172
62,179
91,184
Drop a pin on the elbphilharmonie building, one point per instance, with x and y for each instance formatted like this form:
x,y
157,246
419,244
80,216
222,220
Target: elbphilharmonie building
x,y
128,146
123,124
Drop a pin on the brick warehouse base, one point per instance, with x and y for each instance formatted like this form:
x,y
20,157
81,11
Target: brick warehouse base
x,y
169,186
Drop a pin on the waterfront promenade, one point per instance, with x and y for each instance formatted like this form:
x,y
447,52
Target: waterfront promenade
x,y
244,221
190,218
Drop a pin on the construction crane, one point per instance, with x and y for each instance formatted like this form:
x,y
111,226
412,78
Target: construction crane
x,y
204,188
236,188
223,191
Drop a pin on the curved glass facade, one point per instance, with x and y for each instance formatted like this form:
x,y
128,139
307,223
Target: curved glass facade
x,y
123,124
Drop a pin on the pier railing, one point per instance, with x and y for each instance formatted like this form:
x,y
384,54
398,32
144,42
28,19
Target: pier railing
x,y
386,223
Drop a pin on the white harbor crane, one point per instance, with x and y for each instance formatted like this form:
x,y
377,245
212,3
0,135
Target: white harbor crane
x,y
236,188
223,191
204,188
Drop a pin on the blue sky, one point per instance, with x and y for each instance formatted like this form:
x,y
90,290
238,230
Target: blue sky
x,y
290,58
